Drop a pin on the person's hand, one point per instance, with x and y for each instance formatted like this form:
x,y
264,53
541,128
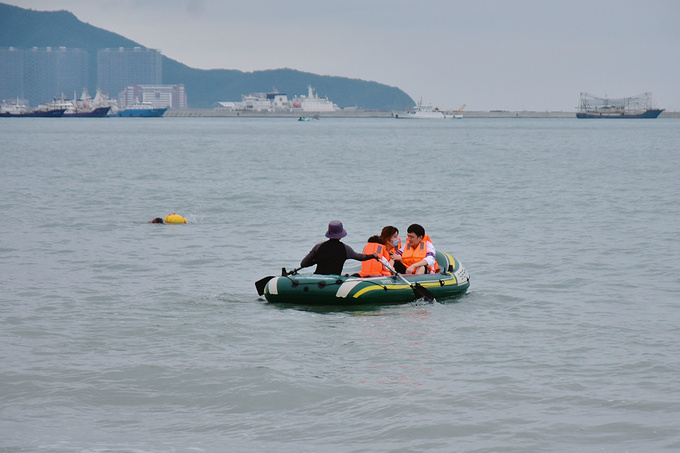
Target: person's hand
x,y
376,256
411,269
396,257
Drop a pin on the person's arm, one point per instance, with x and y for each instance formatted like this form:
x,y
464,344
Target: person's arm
x,y
351,254
310,259
431,254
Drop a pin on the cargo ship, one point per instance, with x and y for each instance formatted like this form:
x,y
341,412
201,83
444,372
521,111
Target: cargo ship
x,y
635,107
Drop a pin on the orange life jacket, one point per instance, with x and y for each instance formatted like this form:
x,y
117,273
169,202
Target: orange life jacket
x,y
372,266
412,255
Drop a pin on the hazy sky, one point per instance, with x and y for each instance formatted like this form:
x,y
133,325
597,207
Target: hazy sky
x,y
488,54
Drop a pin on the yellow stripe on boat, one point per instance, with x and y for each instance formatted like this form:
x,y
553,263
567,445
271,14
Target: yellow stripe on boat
x,y
380,287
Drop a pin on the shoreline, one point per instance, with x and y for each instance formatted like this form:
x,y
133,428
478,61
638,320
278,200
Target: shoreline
x,y
210,113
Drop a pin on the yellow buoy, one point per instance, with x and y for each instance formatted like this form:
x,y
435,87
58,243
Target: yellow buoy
x,y
175,218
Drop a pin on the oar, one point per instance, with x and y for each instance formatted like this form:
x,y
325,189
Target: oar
x,y
260,284
420,291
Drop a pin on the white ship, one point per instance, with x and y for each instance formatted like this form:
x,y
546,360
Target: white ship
x,y
312,102
424,112
279,102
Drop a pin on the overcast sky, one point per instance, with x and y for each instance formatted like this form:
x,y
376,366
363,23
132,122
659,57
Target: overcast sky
x,y
487,54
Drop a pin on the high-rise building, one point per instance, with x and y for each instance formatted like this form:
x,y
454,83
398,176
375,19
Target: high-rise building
x,y
51,72
159,96
118,68
11,73
42,74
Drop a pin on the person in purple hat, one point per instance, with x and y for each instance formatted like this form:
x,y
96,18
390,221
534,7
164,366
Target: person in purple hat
x,y
331,255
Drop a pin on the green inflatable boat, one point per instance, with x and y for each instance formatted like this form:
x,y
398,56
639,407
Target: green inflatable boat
x,y
314,289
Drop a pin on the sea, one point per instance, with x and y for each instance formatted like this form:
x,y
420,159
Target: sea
x,y
117,335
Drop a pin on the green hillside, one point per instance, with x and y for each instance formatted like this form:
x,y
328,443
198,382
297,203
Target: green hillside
x,y
24,29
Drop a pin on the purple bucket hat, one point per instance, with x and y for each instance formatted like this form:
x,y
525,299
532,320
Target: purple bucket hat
x,y
335,230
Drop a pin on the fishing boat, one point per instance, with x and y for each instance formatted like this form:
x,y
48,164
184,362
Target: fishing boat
x,y
20,110
347,290
85,107
635,107
72,110
97,112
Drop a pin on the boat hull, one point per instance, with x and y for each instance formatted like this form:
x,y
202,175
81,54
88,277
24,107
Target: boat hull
x,y
649,114
100,112
54,113
140,113
345,290
423,116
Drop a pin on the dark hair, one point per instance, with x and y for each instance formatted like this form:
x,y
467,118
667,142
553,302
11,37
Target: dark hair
x,y
416,229
388,232
156,220
377,240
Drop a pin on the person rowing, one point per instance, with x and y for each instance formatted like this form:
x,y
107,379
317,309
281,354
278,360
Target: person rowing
x,y
330,256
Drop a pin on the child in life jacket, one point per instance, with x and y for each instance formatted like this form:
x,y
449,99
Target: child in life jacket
x,y
374,267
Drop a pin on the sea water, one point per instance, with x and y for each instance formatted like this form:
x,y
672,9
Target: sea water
x,y
121,336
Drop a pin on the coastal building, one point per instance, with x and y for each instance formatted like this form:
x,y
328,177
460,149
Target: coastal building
x,y
12,70
50,72
122,67
159,96
42,74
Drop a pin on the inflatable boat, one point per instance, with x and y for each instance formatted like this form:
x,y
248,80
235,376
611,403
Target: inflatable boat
x,y
313,289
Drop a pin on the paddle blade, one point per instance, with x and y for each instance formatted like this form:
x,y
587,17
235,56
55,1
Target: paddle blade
x,y
423,293
260,284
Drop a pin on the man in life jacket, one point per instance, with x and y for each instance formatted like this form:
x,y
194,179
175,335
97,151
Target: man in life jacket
x,y
418,255
331,255
374,267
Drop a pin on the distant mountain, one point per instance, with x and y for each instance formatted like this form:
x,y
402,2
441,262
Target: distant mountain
x,y
25,28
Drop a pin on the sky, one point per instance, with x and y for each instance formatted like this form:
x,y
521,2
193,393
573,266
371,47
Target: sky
x,y
487,54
